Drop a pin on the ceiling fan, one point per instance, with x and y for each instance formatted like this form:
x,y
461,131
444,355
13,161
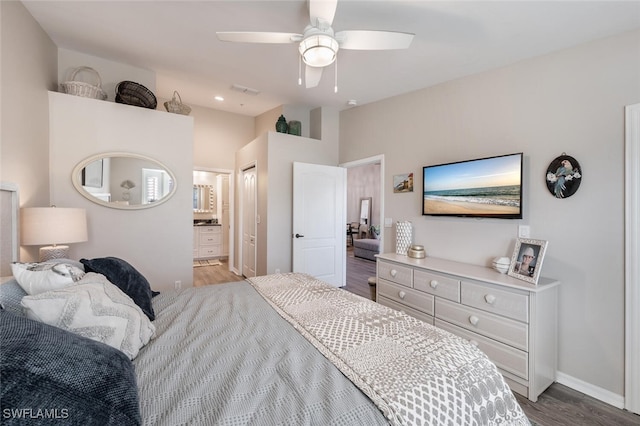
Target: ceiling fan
x,y
319,44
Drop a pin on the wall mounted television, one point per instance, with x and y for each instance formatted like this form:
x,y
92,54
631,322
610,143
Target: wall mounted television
x,y
483,187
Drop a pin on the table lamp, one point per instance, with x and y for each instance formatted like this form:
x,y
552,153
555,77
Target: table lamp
x,y
53,226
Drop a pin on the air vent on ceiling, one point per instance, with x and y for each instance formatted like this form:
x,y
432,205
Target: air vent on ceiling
x,y
245,90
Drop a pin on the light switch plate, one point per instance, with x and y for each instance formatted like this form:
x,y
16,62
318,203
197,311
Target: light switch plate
x,y
388,222
524,231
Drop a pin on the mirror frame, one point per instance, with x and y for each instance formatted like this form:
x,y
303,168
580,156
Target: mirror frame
x,y
367,221
76,179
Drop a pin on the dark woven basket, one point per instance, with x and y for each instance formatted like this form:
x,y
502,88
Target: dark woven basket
x,y
131,93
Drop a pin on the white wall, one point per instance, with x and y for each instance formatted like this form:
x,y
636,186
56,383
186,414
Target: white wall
x,y
157,241
571,101
24,82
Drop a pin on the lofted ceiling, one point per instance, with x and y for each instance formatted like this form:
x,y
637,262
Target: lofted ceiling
x,y
177,40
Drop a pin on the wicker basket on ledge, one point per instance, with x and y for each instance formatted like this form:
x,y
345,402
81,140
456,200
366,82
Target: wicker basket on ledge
x,y
176,106
131,93
81,88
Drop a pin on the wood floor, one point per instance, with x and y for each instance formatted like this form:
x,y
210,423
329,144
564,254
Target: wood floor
x,y
557,406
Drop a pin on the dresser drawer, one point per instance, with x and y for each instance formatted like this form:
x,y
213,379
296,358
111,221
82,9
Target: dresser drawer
x,y
396,273
438,285
513,333
209,229
208,251
206,239
505,357
492,299
407,310
406,296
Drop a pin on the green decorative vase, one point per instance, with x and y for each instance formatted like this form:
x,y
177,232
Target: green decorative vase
x,y
281,125
295,128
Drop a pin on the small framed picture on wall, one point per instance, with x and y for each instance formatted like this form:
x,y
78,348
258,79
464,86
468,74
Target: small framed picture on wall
x,y
526,261
403,183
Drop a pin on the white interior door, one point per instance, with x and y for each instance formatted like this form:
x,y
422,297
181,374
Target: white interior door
x,y
249,222
319,218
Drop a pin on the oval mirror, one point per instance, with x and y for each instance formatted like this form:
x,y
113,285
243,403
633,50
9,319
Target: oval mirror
x,y
122,180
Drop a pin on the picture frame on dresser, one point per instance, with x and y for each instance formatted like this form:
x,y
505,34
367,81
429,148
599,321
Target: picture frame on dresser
x,y
526,260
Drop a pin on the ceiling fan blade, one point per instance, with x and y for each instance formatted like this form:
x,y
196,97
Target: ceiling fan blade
x,y
312,76
373,40
258,37
322,9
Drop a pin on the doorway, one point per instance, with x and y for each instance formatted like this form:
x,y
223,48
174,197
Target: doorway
x,y
365,179
213,196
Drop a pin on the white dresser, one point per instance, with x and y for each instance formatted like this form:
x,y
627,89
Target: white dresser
x,y
512,321
207,241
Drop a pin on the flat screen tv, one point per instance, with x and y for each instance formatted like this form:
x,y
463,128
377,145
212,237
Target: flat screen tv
x,y
483,187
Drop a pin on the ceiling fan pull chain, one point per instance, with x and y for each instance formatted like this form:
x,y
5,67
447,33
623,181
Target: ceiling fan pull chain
x,y
335,88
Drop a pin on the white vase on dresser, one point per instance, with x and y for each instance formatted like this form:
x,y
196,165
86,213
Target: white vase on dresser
x,y
512,321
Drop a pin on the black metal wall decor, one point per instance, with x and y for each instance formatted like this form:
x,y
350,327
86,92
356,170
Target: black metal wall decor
x,y
564,175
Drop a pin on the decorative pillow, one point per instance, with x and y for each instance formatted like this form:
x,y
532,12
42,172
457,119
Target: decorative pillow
x,y
10,296
37,278
96,309
75,379
127,278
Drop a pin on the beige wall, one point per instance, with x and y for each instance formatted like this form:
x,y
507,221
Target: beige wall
x,y
217,136
24,128
570,101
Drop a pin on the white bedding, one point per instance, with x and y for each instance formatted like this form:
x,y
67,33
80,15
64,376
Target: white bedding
x,y
416,373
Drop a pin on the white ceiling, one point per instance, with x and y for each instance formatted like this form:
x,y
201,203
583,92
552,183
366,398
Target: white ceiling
x,y
177,40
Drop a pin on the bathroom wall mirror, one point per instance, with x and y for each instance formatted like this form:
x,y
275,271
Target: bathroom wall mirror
x,y
122,180
204,198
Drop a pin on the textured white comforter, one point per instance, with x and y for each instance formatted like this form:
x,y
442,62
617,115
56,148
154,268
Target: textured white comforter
x,y
416,373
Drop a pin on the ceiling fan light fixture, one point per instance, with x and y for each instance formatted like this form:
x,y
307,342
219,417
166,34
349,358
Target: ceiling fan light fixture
x,y
319,50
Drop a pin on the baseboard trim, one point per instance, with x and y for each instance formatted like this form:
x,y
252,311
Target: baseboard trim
x,y
593,391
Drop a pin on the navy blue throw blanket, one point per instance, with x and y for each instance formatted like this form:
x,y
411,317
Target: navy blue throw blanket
x,y
49,376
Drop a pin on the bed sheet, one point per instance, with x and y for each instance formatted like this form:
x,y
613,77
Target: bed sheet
x,y
223,356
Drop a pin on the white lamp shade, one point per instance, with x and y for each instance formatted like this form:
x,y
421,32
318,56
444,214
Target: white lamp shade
x,y
53,225
318,50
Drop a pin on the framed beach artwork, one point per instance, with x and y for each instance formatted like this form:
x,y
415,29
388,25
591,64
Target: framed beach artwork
x,y
403,183
526,261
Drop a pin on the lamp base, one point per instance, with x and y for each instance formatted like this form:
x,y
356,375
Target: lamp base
x,y
54,252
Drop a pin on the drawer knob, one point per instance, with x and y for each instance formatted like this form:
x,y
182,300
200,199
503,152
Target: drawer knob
x,y
490,298
434,283
474,320
402,294
393,273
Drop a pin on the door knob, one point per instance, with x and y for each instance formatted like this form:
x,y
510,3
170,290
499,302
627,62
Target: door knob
x,y
299,236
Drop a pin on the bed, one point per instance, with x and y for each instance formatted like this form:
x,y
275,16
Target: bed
x,y
284,349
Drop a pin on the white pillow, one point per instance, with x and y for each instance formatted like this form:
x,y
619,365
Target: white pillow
x,y
96,309
35,278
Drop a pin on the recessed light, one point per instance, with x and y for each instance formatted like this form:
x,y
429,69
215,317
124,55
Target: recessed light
x,y
219,98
